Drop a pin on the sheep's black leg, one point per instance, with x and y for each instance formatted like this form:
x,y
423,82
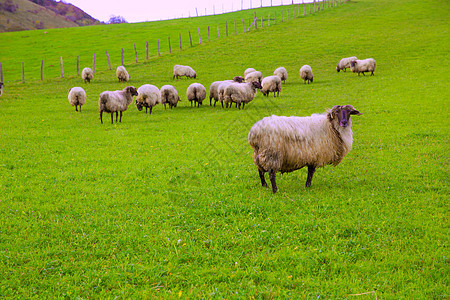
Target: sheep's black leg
x,y
243,105
80,107
210,98
311,170
112,118
273,181
364,74
76,108
371,74
101,119
120,120
261,176
151,109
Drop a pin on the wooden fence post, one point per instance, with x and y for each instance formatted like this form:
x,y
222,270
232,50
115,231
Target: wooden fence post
x,y
218,34
78,66
170,48
135,52
226,28
180,41
93,64
269,20
122,55
62,70
190,38
159,51
281,16
199,36
275,18
256,22
243,25
261,21
209,37
1,72
42,70
23,72
109,61
146,48
235,27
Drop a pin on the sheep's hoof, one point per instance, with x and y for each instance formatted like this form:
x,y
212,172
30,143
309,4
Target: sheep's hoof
x,y
274,190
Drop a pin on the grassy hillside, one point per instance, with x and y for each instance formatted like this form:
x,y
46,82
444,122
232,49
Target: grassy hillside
x,y
169,205
31,16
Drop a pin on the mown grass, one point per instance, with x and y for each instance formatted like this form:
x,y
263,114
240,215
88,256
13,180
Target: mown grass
x,y
169,205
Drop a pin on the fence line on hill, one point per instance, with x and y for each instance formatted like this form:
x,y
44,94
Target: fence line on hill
x,y
253,23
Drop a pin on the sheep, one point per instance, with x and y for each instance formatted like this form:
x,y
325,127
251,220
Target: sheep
x,y
345,63
249,70
1,88
306,74
115,101
87,74
77,96
169,95
281,72
179,71
214,88
196,92
254,76
285,144
361,66
148,96
271,84
240,93
122,74
221,90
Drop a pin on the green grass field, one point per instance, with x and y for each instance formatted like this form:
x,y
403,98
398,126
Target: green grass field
x,y
169,205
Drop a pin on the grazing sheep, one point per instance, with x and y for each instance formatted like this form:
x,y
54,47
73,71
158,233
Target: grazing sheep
x,y
77,96
148,96
179,71
1,88
115,101
345,63
249,70
281,72
271,84
221,90
285,144
361,66
122,74
254,76
214,88
306,74
87,74
169,95
240,93
196,92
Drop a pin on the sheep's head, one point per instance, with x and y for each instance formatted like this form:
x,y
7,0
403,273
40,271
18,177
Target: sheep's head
x,y
132,90
337,68
256,85
342,114
139,105
353,63
238,79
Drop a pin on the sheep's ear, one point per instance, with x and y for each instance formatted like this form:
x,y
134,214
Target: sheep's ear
x,y
355,112
69,89
352,111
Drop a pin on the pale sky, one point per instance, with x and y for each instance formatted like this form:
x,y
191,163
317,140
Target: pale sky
x,y
150,10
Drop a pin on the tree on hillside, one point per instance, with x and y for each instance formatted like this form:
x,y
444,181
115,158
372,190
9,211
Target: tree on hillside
x,y
116,20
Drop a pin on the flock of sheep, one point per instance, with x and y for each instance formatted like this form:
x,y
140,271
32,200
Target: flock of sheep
x,y
280,144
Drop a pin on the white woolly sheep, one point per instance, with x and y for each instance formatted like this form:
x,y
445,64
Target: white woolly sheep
x,y
285,144
345,63
180,70
214,88
116,101
196,92
271,84
306,74
87,74
281,72
169,95
240,93
148,96
254,76
77,96
122,74
248,70
361,66
1,88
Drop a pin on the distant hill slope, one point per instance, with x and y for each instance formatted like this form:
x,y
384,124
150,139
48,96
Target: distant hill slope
x,y
16,15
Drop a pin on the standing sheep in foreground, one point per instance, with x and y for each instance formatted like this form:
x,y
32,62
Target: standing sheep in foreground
x,y
254,76
77,96
281,72
196,92
240,93
361,66
87,74
180,70
148,96
115,101
214,88
345,63
271,84
122,74
169,95
285,144
306,74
